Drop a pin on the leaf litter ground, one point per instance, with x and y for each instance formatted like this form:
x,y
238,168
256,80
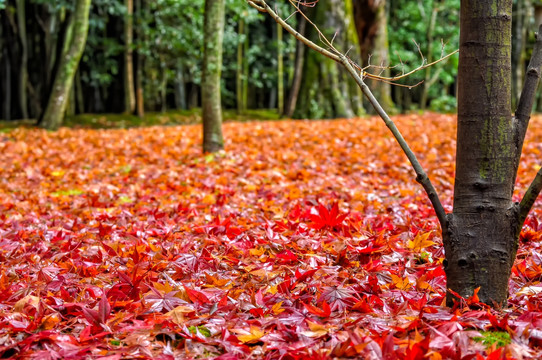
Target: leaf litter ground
x,y
304,240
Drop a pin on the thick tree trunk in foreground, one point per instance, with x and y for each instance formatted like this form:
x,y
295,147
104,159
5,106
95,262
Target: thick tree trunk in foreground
x,y
58,99
481,239
212,68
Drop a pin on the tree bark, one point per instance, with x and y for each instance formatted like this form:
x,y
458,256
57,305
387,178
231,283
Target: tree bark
x,y
56,106
481,237
371,25
23,73
280,71
129,91
298,72
241,104
323,93
140,101
212,68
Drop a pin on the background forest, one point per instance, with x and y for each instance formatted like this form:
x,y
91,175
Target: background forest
x,y
149,53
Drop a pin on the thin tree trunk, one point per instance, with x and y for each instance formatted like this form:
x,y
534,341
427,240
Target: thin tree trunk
x,y
280,71
518,48
480,240
429,57
129,91
56,106
212,68
23,72
298,72
7,82
245,75
241,105
140,101
79,93
180,88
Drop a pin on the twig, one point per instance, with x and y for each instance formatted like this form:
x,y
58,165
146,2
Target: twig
x,y
522,116
421,176
529,198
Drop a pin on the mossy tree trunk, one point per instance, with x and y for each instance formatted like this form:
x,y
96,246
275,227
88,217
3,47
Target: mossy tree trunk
x,y
56,106
212,68
324,91
481,237
372,28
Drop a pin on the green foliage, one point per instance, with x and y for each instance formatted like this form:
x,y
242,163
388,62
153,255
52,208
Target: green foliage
x,y
409,23
102,52
499,338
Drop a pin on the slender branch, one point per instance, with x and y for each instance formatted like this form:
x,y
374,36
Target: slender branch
x,y
421,176
528,95
522,116
261,4
529,198
422,67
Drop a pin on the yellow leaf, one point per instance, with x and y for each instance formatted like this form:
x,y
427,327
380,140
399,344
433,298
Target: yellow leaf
x,y
50,321
178,314
31,300
257,252
253,336
315,330
400,283
209,199
420,241
277,308
213,281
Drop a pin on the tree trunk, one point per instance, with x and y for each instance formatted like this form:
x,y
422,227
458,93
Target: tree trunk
x,y
518,48
429,57
322,93
280,71
298,71
212,67
180,88
129,91
371,25
241,105
56,106
140,101
23,73
7,82
481,238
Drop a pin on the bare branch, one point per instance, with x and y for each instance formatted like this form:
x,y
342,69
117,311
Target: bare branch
x,y
398,77
528,94
529,198
261,4
357,73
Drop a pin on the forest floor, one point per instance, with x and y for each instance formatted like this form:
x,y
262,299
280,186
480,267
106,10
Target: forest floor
x,y
123,121
302,240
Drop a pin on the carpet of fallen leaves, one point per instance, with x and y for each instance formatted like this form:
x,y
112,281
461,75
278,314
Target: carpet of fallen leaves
x,y
304,240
